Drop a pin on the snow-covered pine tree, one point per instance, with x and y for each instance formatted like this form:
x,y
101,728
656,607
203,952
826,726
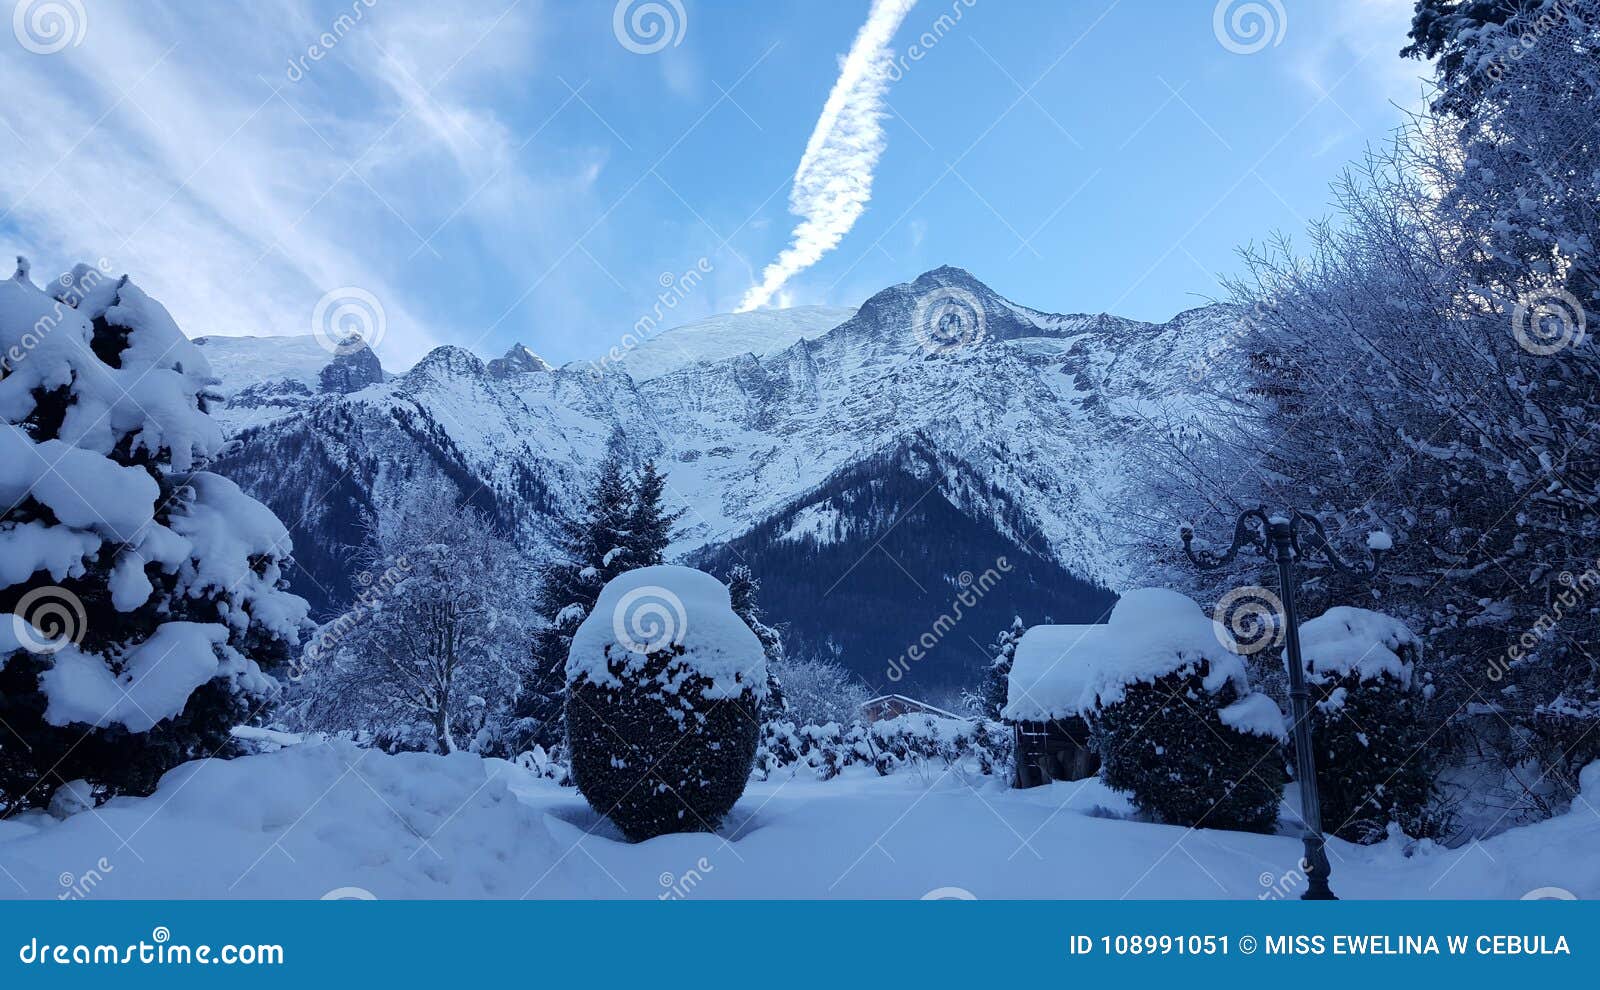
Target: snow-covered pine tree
x,y
743,590
144,596
592,549
990,697
650,524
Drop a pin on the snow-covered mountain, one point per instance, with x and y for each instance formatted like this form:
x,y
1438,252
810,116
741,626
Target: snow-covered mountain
x,y
864,472
266,378
761,333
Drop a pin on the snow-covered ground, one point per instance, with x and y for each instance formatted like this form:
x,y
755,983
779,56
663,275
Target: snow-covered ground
x,y
323,818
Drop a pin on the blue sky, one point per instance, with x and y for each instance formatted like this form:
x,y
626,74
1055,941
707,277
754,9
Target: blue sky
x,y
498,171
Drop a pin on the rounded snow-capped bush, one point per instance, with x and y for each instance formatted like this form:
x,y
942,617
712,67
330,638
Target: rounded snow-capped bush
x,y
664,692
1366,723
1170,710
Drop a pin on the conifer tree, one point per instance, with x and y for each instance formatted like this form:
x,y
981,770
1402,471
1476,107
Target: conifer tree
x,y
142,601
649,524
991,694
743,588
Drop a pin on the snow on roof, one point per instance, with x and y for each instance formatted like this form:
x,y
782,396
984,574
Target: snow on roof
x,y
643,611
1344,640
1065,671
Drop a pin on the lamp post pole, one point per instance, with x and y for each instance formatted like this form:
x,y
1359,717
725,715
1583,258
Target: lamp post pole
x,y
1280,539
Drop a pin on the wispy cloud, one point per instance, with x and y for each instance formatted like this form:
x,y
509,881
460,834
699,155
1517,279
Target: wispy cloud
x,y
834,181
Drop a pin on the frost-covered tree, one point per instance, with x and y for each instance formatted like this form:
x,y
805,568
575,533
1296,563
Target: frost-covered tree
x,y
431,658
144,596
818,691
1422,364
665,685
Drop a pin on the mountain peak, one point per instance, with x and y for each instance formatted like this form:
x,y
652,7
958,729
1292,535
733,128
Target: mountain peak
x,y
519,360
445,362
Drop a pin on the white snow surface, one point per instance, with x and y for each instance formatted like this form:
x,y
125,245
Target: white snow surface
x,y
760,332
646,610
1065,671
310,819
1345,639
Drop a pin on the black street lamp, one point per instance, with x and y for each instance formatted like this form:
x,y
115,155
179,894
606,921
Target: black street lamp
x,y
1282,540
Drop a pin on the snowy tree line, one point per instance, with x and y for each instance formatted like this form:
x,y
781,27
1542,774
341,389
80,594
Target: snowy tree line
x,y
1419,365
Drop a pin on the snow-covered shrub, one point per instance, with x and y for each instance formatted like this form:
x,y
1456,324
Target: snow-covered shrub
x,y
143,598
816,692
970,748
664,688
1366,723
1170,710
